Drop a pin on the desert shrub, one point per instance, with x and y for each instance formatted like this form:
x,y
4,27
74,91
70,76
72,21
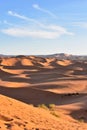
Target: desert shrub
x,y
51,106
43,106
54,113
81,119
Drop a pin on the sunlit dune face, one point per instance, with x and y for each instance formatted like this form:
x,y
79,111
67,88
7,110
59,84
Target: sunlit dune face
x,y
64,62
27,62
15,84
9,61
16,61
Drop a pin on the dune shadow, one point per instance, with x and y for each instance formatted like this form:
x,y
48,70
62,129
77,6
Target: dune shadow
x,y
80,115
16,79
35,96
31,95
50,86
39,76
20,67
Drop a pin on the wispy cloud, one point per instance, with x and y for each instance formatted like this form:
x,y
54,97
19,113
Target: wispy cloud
x,y
23,17
57,28
36,6
43,31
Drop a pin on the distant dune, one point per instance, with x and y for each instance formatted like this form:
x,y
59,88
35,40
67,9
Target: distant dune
x,y
36,80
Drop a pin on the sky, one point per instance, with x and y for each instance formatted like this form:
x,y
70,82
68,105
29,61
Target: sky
x,y
36,27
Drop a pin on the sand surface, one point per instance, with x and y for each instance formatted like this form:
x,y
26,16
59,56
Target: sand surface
x,y
35,80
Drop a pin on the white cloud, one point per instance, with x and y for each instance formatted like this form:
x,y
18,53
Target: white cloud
x,y
20,32
36,6
40,30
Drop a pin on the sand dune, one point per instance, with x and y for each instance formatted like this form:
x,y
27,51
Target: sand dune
x,y
36,80
64,62
15,115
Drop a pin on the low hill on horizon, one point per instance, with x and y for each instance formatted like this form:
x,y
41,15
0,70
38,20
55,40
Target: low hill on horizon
x,y
60,56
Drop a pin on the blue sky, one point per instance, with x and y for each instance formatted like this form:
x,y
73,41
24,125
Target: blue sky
x,y
43,27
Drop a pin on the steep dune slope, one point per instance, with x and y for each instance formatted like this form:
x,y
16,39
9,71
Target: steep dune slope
x,y
15,115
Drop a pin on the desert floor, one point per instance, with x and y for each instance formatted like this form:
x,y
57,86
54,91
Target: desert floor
x,y
28,82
